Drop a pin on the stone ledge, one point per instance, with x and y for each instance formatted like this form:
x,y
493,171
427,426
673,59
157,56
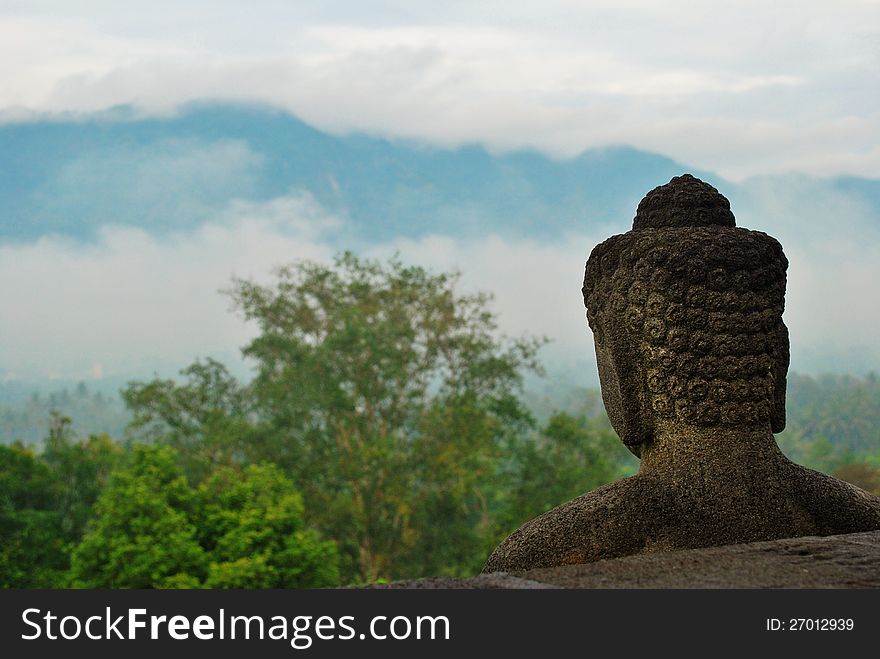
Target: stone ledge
x,y
838,561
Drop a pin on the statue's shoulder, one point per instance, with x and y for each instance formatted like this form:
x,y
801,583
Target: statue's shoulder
x,y
834,506
611,521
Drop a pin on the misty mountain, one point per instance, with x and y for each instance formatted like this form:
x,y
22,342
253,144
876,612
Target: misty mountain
x,y
94,303
70,176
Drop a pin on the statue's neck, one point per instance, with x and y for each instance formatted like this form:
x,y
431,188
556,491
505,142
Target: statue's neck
x,y
684,450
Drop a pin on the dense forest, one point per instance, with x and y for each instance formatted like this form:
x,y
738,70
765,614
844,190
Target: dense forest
x,y
26,417
832,419
386,434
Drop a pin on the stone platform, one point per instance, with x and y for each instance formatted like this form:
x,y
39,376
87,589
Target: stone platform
x,y
838,561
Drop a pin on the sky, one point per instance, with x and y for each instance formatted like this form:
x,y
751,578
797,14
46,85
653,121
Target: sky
x,y
743,89
739,88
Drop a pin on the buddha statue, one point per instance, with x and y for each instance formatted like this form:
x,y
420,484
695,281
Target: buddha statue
x,y
692,351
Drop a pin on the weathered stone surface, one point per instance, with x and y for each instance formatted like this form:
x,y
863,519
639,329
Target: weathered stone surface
x,y
838,561
684,202
842,561
496,580
686,312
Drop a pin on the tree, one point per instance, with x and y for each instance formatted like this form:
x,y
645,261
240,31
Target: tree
x,y
207,419
32,545
569,457
81,469
143,536
238,529
385,393
251,524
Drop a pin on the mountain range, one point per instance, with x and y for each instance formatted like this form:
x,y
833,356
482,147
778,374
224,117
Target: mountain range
x,y
71,175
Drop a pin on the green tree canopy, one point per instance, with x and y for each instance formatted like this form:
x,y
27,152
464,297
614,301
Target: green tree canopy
x,y
569,457
32,545
384,390
81,469
251,524
238,529
208,418
143,536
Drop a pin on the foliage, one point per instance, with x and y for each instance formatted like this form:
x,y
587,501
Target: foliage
x,y
207,419
28,418
237,530
831,419
385,391
251,524
46,502
32,548
81,470
143,536
384,436
571,456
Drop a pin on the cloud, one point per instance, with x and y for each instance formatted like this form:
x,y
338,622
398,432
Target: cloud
x,y
130,303
832,243
739,88
536,287
832,240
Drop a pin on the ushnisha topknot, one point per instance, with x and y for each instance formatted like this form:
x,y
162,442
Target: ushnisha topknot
x,y
685,201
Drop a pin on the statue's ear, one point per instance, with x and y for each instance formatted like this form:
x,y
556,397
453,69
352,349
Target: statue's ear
x,y
780,370
622,392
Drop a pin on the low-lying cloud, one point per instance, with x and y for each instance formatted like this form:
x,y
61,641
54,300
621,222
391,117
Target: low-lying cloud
x,y
130,304
832,241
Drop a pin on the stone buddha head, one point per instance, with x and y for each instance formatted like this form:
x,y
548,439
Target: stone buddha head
x,y
686,313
